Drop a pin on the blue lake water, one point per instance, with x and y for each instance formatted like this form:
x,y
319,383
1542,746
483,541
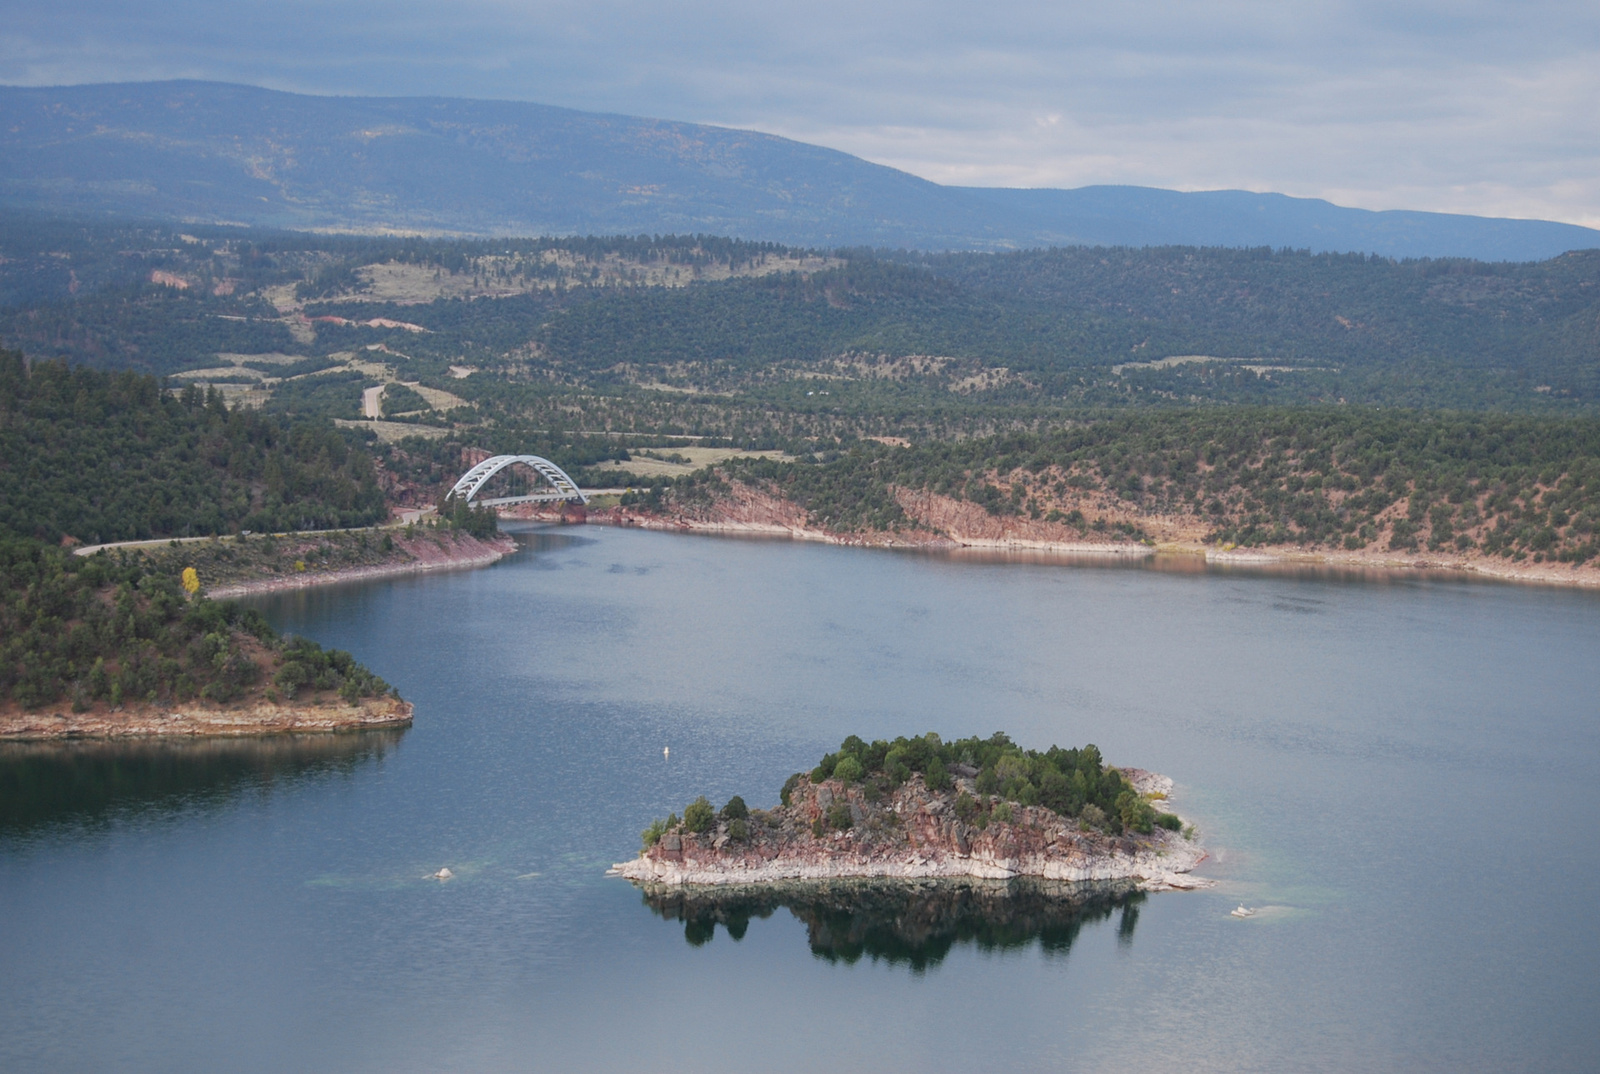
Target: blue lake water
x,y
1401,772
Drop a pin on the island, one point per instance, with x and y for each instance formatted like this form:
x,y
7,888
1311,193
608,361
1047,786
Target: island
x,y
920,808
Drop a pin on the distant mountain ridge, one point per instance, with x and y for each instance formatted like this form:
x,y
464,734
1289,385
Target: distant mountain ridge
x,y
217,152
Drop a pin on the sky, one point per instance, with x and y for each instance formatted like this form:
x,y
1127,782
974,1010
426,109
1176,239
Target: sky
x,y
1488,108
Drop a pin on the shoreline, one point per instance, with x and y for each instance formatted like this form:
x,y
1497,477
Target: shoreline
x,y
1397,563
476,553
916,834
188,720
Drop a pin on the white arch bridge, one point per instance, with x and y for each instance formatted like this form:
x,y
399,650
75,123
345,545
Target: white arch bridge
x,y
562,488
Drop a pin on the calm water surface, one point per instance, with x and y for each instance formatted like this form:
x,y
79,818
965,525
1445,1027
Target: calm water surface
x,y
1402,773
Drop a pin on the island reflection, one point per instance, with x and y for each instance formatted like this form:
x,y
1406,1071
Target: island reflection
x,y
909,923
48,785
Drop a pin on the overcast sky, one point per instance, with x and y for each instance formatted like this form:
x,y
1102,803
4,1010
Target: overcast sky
x,y
1464,106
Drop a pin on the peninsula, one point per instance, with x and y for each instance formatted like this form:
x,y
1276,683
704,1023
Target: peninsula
x,y
102,647
920,808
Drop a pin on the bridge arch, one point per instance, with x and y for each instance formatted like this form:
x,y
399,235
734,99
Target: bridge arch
x,y
563,489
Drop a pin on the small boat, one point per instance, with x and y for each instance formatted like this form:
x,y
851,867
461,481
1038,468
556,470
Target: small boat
x,y
442,874
1243,911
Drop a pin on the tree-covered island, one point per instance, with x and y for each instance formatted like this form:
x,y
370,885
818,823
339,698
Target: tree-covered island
x,y
924,808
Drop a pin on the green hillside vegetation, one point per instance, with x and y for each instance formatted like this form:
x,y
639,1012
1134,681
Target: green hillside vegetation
x,y
328,395
399,399
1514,486
106,457
1347,328
222,562
1076,326
1073,782
103,630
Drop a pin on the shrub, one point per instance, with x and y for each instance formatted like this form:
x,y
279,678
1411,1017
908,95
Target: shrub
x,y
936,775
1002,812
966,806
738,830
1092,817
652,835
698,815
789,785
1135,813
735,809
1011,768
839,815
1169,821
849,770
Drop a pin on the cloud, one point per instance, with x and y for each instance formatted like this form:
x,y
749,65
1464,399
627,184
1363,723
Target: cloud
x,y
1462,106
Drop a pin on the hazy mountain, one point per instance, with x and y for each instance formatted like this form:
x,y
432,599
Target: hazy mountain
x,y
215,152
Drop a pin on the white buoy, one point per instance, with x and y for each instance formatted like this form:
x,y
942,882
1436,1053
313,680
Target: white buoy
x,y
442,874
666,751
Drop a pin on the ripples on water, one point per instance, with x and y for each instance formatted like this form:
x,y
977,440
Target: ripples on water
x,y
1397,769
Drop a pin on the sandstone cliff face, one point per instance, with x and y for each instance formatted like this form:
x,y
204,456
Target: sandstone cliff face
x,y
195,720
746,508
912,833
966,523
936,522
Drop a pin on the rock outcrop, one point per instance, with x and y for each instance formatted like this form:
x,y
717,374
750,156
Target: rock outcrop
x,y
912,833
199,720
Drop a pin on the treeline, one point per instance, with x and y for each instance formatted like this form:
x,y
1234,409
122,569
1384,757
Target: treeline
x,y
1353,329
1072,782
103,630
105,457
49,259
1342,478
147,327
527,256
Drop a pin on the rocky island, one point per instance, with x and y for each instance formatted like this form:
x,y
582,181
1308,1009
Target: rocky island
x,y
920,808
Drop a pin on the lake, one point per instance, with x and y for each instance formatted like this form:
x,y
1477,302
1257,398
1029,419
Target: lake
x,y
1400,771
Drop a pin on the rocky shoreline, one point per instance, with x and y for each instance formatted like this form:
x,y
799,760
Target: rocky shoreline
x,y
913,833
751,512
425,554
190,720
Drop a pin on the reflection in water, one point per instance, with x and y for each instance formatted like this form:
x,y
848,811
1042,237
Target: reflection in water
x,y
91,782
914,923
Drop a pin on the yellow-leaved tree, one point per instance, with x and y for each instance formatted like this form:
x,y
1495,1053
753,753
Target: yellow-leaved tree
x,y
191,580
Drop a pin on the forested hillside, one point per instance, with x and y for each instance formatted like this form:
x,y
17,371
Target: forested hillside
x,y
103,630
109,456
262,316
1318,478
